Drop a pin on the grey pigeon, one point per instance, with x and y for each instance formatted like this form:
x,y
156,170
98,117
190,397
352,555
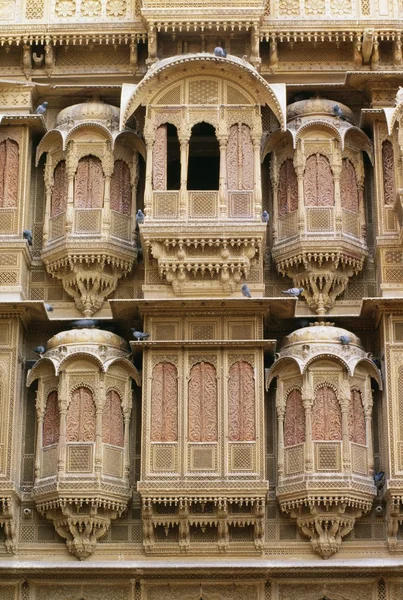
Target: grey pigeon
x,y
265,216
246,291
379,480
220,52
85,323
40,350
48,307
338,112
140,216
295,292
345,340
42,108
139,335
27,235
376,362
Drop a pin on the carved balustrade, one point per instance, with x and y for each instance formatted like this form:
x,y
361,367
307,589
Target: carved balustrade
x,y
325,455
83,406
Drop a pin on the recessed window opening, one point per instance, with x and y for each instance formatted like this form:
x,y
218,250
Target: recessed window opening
x,y
204,158
173,159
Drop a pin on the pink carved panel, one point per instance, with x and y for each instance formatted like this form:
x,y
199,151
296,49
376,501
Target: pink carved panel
x,y
160,153
318,181
326,415
59,191
9,165
294,422
80,420
89,183
164,403
203,403
388,173
241,402
232,158
247,157
240,158
356,419
121,191
287,188
51,421
348,186
112,420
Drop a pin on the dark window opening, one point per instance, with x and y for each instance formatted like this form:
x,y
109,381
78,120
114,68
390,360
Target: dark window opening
x,y
204,158
173,159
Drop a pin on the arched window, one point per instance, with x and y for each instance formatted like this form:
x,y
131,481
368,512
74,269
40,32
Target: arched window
x,y
121,189
51,421
203,403
164,403
348,186
287,194
326,415
241,402
9,166
204,158
89,183
80,420
112,420
356,419
240,158
166,158
388,170
59,191
318,181
294,422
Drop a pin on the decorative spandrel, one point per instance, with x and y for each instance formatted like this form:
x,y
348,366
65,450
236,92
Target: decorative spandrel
x,y
9,166
203,403
294,422
318,181
80,421
349,192
58,203
51,421
356,419
164,403
89,183
241,403
326,415
121,192
112,420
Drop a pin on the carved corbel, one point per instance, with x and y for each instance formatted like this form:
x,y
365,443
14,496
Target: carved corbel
x,y
375,58
358,58
133,57
273,54
397,52
49,57
27,60
7,521
152,45
367,45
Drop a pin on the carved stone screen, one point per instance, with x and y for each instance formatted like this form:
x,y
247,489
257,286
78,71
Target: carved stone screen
x,y
51,421
89,183
203,403
59,191
388,172
318,181
8,173
160,158
240,158
241,402
348,186
356,419
294,422
326,415
164,403
121,192
112,420
80,421
287,188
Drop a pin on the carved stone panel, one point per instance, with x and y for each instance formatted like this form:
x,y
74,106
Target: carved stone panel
x,y
51,421
203,403
388,173
294,422
318,181
164,403
59,191
240,158
356,419
121,192
287,188
348,186
80,423
241,403
89,183
326,415
160,158
9,163
112,420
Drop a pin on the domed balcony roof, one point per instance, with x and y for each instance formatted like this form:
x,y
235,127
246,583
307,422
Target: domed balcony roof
x,y
318,107
93,111
88,337
321,333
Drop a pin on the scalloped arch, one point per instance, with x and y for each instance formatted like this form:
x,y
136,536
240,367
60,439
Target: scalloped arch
x,y
34,373
137,142
50,140
73,357
89,126
128,367
315,124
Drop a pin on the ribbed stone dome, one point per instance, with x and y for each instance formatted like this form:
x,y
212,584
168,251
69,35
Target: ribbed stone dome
x,y
83,337
316,107
92,111
320,333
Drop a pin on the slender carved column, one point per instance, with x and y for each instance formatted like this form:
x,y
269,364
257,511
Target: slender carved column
x,y
280,419
126,444
344,405
274,175
257,176
106,213
308,434
299,169
71,170
49,182
184,154
337,199
368,431
361,208
98,423
63,414
223,141
134,175
148,192
39,432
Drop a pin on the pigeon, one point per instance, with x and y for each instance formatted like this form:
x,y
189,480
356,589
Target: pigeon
x,y
139,335
345,340
246,291
140,216
295,292
85,324
265,216
376,362
220,52
338,112
27,235
48,307
379,480
40,350
42,108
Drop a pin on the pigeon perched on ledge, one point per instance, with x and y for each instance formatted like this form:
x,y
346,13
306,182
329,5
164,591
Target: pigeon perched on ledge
x,y
40,350
140,216
139,335
42,108
48,307
337,111
246,291
265,216
345,340
27,235
294,292
220,52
